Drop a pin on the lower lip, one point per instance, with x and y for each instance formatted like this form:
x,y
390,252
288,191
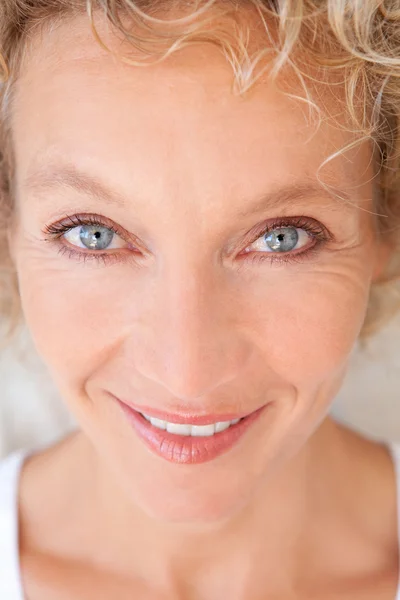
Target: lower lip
x,y
183,449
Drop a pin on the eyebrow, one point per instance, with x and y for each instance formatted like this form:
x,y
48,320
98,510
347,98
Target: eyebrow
x,y
293,192
68,175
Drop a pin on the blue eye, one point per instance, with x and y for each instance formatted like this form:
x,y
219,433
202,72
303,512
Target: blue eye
x,y
96,238
93,237
281,239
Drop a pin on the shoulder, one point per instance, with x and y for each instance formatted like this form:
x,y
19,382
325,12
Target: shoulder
x,y
371,481
24,481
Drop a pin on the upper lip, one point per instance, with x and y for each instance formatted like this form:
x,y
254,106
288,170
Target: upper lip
x,y
185,417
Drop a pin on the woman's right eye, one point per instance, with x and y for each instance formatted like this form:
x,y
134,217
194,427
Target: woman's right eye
x,y
94,237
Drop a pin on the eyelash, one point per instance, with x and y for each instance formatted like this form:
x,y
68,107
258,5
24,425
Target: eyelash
x,y
313,228
55,232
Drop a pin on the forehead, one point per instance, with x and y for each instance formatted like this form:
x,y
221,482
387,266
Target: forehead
x,y
76,102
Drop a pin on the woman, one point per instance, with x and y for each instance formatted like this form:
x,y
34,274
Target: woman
x,y
195,261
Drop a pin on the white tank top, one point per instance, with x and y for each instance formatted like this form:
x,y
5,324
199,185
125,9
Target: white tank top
x,y
10,575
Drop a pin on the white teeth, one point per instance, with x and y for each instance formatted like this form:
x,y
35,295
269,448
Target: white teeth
x,y
203,430
179,429
191,430
222,425
157,423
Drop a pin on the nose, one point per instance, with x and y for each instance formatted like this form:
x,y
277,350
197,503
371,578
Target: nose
x,y
189,343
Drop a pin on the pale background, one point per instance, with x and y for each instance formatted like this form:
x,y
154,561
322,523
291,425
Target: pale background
x,y
32,414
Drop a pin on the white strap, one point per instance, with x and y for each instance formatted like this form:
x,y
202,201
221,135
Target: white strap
x,y
395,452
10,577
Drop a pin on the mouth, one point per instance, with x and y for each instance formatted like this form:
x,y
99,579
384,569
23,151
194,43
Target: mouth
x,y
188,439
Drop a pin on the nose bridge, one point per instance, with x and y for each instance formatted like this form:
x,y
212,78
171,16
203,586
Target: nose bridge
x,y
193,347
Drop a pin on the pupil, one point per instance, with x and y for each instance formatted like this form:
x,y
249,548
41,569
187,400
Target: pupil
x,y
96,237
283,239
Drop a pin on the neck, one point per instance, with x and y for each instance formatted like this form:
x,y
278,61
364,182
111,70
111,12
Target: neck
x,y
270,536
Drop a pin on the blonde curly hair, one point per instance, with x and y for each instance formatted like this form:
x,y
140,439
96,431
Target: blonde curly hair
x,y
356,41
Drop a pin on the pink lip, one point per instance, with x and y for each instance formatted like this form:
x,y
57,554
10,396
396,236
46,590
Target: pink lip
x,y
183,449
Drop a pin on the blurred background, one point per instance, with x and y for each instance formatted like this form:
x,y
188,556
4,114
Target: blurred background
x,y
32,414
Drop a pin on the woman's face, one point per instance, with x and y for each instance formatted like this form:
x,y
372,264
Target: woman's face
x,y
177,254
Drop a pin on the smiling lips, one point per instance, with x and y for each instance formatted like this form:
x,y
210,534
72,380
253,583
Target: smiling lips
x,y
188,440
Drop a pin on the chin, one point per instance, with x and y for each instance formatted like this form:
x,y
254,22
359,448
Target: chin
x,y
205,493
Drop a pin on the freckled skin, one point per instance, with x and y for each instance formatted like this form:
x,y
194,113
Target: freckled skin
x,y
187,323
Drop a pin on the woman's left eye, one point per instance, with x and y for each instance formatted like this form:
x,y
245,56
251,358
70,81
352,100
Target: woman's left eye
x,y
281,240
94,237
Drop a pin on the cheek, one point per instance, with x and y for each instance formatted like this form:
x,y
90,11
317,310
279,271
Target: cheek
x,y
307,322
75,312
